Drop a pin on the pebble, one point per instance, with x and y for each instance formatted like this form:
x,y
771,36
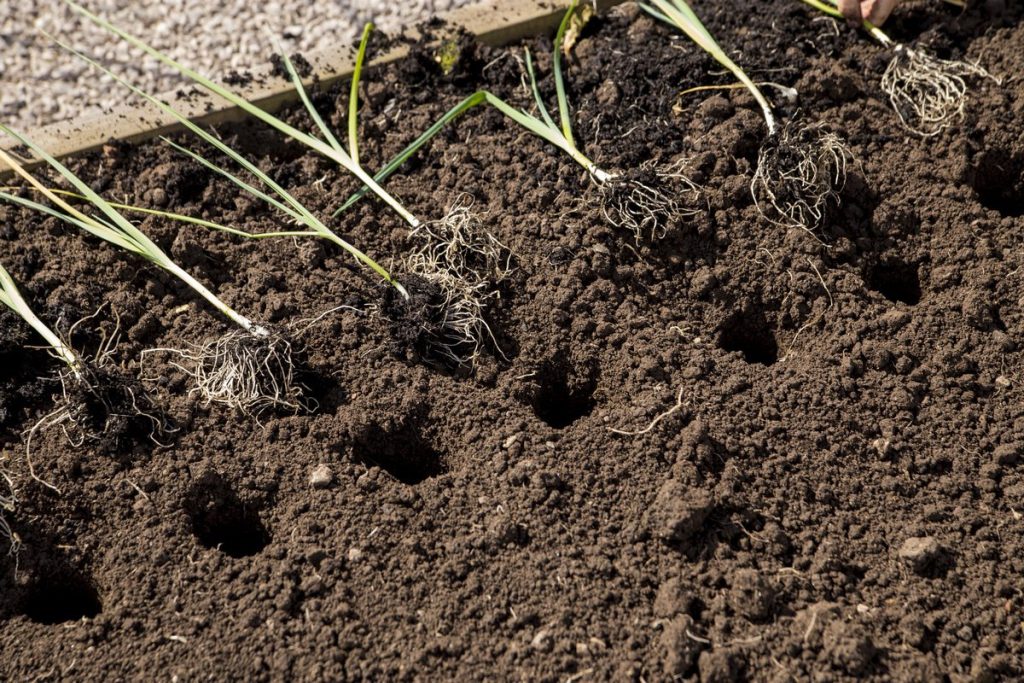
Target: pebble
x,y
321,477
41,84
920,551
542,641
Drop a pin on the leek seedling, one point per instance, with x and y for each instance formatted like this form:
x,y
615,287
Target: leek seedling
x,y
455,262
250,369
637,201
928,93
800,169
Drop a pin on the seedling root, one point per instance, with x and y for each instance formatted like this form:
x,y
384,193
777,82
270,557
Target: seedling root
x,y
249,370
464,263
799,171
928,93
98,402
647,202
8,499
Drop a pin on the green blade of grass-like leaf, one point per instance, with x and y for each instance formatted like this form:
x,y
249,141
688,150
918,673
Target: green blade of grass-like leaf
x,y
231,177
11,297
353,95
563,102
531,74
293,74
680,15
413,147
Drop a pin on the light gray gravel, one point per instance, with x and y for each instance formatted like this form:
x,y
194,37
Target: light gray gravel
x,y
40,84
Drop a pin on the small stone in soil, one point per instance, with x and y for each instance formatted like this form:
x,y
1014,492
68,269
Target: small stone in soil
x,y
321,477
542,641
919,552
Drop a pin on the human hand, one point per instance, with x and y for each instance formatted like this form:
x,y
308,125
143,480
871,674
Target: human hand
x,y
874,11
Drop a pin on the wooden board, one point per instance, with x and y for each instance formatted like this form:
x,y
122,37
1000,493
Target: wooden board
x,y
495,22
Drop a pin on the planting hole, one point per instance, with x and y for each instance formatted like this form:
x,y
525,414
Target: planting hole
x,y
61,598
897,281
999,181
562,398
749,334
403,453
220,520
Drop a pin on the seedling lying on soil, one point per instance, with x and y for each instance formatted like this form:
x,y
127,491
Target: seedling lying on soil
x,y
456,263
638,201
799,169
927,93
250,369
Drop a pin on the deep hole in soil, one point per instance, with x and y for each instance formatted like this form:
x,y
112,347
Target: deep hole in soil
x,y
565,393
61,598
999,181
751,335
403,453
897,281
222,521
559,405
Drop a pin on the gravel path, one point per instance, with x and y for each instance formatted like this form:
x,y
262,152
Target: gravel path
x,y
40,84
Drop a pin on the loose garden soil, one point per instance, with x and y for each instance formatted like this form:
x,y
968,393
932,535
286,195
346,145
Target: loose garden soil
x,y
839,494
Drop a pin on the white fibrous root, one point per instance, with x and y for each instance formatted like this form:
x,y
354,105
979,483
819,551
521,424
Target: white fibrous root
x,y
928,93
648,201
248,370
800,170
464,263
98,403
8,499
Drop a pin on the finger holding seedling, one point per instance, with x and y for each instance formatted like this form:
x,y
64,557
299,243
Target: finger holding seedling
x,y
874,11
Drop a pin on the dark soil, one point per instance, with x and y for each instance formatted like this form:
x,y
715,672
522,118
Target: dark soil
x,y
838,497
